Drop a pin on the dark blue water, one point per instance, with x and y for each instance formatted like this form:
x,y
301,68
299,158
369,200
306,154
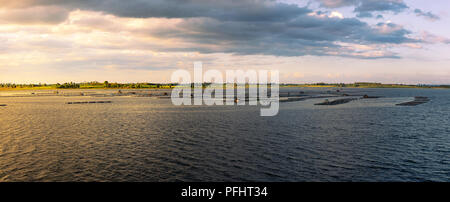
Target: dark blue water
x,y
144,139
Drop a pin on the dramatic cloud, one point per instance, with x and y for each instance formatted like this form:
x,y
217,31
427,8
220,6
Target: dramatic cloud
x,y
95,36
236,10
367,5
366,8
309,35
239,27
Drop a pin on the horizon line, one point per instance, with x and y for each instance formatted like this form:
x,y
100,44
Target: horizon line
x,y
280,83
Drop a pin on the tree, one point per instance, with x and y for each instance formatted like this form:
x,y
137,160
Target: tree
x,y
106,84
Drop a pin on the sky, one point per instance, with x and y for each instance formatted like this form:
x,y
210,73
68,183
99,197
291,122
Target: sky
x,y
308,41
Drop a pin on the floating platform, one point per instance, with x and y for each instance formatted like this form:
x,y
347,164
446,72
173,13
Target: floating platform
x,y
291,99
417,101
90,102
337,102
370,97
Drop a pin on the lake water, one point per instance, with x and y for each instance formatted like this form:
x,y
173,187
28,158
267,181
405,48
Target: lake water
x,y
147,139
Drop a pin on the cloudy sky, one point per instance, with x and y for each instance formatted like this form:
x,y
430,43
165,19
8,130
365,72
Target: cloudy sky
x,y
389,41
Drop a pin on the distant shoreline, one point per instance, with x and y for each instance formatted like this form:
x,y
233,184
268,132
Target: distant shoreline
x,y
155,86
56,89
367,86
281,86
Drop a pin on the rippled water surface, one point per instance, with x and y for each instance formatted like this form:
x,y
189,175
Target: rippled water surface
x,y
147,139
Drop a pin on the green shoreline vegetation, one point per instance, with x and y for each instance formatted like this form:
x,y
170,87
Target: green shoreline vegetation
x,y
108,85
85,85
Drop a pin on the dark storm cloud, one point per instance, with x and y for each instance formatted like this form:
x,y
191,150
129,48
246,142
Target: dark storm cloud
x,y
307,35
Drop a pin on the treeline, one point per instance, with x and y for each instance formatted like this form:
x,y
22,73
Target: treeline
x,y
12,85
68,85
106,84
87,85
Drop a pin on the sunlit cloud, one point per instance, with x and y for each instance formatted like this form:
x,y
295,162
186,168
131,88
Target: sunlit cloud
x,y
82,37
